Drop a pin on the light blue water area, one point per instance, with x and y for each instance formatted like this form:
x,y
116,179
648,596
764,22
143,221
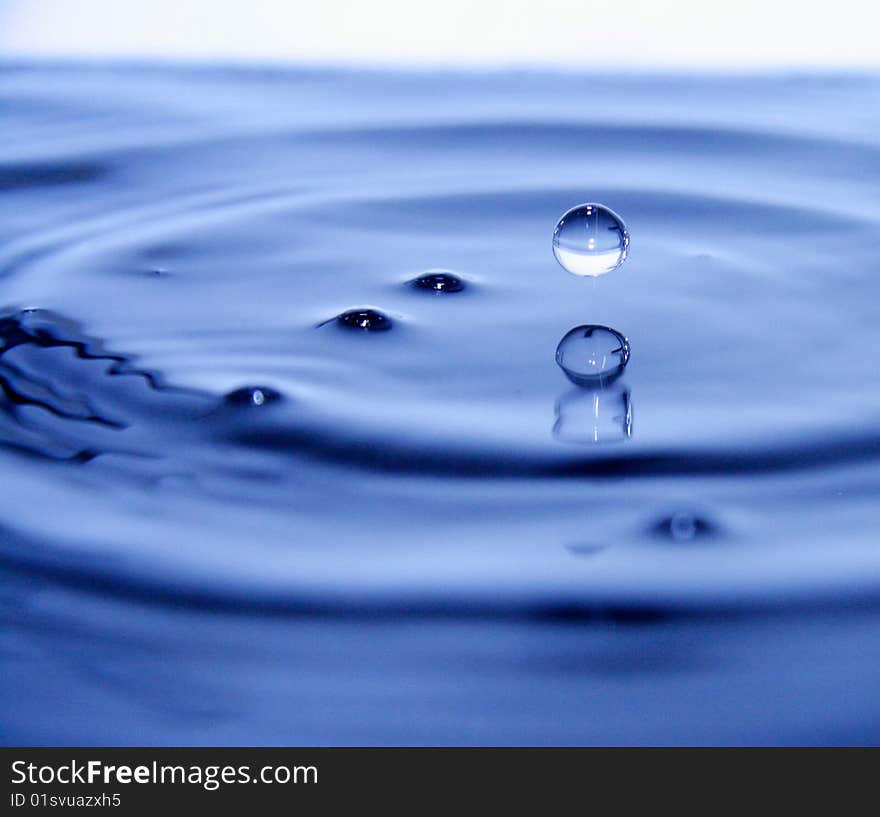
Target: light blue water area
x,y
287,456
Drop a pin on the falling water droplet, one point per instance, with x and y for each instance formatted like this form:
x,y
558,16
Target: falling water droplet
x,y
253,396
590,240
592,354
439,281
368,320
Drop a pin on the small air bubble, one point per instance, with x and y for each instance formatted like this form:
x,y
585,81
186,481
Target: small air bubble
x,y
439,281
683,526
253,396
591,354
367,320
590,240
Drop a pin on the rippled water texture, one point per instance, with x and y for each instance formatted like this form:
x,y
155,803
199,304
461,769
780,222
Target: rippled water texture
x,y
260,485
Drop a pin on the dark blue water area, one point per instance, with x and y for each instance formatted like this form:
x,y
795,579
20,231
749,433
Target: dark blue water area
x,y
231,516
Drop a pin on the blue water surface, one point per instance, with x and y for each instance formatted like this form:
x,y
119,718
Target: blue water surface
x,y
228,517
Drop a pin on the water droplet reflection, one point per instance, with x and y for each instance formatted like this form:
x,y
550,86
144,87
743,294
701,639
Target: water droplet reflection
x,y
592,355
594,416
590,240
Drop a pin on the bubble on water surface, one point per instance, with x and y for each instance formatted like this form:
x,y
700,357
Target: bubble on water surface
x,y
590,240
252,396
367,320
590,355
683,526
439,281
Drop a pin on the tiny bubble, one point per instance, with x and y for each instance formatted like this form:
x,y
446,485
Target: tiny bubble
x,y
683,526
254,396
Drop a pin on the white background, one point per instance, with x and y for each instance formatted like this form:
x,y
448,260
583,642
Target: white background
x,y
636,34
